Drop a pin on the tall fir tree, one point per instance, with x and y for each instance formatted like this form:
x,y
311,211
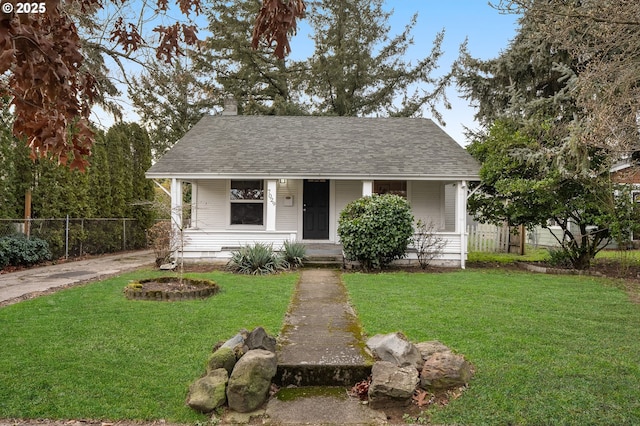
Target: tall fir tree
x,y
170,99
260,82
533,169
358,68
604,37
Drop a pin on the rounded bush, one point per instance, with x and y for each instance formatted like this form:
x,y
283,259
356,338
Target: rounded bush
x,y
376,230
18,250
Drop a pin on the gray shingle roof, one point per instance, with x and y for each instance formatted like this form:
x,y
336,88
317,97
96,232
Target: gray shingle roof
x,y
329,147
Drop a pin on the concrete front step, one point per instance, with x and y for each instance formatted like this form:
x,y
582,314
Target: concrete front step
x,y
302,375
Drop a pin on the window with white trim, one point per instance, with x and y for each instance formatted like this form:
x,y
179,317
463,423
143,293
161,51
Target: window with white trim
x,y
247,202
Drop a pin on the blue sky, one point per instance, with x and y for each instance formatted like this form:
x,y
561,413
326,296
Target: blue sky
x,y
487,30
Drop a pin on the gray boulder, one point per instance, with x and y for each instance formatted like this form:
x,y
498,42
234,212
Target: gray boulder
x,y
250,380
429,348
391,385
209,392
222,358
259,339
236,340
445,370
395,348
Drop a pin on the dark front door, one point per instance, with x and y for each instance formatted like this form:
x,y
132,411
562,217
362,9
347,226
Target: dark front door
x,y
315,210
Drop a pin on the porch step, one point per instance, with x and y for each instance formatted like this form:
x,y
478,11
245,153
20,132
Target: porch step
x,y
337,260
324,254
321,343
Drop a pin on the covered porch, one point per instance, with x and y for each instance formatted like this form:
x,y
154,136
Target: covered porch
x,y
226,214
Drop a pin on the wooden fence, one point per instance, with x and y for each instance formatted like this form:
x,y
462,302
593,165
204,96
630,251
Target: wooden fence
x,y
488,238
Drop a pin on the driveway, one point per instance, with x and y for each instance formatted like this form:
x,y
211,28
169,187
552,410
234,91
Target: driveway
x,y
29,283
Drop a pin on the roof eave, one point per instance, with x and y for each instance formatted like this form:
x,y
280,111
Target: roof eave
x,y
205,176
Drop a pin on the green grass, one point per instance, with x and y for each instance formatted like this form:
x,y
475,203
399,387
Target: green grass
x,y
89,353
627,257
531,255
541,254
549,350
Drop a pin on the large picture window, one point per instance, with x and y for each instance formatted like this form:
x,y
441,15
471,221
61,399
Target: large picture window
x,y
247,202
397,187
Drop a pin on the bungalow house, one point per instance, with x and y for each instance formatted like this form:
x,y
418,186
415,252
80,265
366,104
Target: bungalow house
x,y
274,178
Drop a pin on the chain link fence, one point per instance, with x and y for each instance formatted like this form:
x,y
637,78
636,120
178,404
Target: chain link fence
x,y
73,237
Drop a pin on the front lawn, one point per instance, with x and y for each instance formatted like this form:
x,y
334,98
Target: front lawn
x,y
548,349
89,353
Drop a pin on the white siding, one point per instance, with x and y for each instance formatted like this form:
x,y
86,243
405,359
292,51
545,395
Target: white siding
x,y
208,245
287,217
345,192
211,204
426,202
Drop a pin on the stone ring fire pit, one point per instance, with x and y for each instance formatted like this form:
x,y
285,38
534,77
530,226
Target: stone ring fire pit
x,y
170,289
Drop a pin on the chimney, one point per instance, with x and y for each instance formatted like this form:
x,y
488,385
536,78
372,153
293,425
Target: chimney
x,y
230,106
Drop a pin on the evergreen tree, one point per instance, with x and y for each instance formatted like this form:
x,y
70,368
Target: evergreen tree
x,y
142,194
604,37
8,191
170,99
100,178
260,82
358,68
59,191
532,168
120,163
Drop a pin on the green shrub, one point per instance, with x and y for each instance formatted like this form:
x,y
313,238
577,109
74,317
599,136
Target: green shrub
x,y
17,250
376,230
258,259
4,252
560,258
294,253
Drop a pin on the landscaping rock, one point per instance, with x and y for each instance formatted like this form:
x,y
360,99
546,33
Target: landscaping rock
x,y
236,340
222,358
429,348
209,392
395,348
445,370
250,380
391,385
259,339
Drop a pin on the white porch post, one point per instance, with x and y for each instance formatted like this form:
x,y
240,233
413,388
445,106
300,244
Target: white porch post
x,y
367,188
176,212
271,204
461,219
176,203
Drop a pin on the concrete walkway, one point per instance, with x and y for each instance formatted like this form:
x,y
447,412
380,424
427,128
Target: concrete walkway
x,y
321,330
30,282
321,345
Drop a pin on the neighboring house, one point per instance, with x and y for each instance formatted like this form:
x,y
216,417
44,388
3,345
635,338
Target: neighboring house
x,y
628,173
275,178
